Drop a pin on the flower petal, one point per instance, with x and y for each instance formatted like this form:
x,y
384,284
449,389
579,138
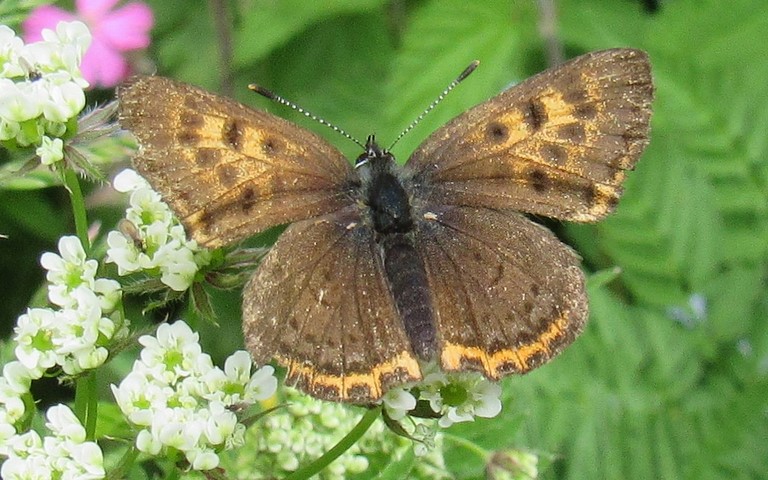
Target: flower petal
x,y
103,66
127,28
94,10
44,17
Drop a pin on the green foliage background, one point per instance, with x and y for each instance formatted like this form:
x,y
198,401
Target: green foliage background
x,y
652,389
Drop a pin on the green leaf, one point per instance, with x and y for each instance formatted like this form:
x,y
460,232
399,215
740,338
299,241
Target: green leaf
x,y
266,25
442,38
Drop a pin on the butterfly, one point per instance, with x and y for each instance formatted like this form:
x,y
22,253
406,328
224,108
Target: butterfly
x,y
385,268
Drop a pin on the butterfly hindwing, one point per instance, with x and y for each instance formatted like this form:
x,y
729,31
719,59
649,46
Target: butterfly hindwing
x,y
507,294
228,171
319,303
557,144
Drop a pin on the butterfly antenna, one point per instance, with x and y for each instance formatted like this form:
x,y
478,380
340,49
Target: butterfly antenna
x,y
277,98
471,68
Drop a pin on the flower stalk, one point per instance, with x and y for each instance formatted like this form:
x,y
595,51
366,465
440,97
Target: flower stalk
x,y
344,444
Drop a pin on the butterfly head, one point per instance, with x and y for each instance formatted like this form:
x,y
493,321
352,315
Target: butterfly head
x,y
374,158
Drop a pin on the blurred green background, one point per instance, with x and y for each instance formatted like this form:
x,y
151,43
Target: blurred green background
x,y
670,379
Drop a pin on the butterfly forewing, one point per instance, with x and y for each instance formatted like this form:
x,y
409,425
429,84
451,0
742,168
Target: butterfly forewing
x,y
320,304
507,294
228,171
558,144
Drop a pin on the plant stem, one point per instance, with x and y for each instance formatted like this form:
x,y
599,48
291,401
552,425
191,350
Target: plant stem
x,y
125,463
471,446
344,444
72,184
86,405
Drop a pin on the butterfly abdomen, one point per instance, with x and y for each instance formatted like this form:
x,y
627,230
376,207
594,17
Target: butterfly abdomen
x,y
410,290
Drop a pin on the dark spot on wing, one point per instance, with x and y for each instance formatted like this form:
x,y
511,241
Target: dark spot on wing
x,y
233,133
538,180
572,132
247,199
535,114
188,138
585,111
206,158
227,174
191,121
497,132
554,153
270,146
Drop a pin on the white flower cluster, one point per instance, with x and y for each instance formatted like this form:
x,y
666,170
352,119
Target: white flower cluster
x,y
181,401
290,438
457,397
155,243
75,335
64,454
14,387
41,87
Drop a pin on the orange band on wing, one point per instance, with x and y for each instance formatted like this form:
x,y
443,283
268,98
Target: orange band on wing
x,y
353,386
495,364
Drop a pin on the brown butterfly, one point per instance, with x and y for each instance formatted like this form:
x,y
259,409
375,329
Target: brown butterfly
x,y
385,267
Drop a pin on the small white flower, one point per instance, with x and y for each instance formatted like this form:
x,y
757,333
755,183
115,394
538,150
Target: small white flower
x,y
63,423
50,150
459,397
18,377
177,264
12,406
398,402
219,424
177,428
18,104
35,348
202,459
64,102
148,443
146,208
173,352
89,460
425,434
68,270
123,252
10,48
109,294
262,385
128,180
25,444
73,33
157,243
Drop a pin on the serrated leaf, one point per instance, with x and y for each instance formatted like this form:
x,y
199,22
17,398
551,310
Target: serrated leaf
x,y
442,38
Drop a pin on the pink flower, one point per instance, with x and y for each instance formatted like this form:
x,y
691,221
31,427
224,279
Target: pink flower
x,y
114,32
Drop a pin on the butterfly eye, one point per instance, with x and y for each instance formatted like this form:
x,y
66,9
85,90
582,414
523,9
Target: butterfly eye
x,y
362,160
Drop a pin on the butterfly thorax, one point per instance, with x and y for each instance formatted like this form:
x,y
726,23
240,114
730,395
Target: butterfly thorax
x,y
383,192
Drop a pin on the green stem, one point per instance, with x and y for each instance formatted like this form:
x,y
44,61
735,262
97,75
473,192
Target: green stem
x,y
86,404
125,463
85,392
72,184
344,444
471,446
